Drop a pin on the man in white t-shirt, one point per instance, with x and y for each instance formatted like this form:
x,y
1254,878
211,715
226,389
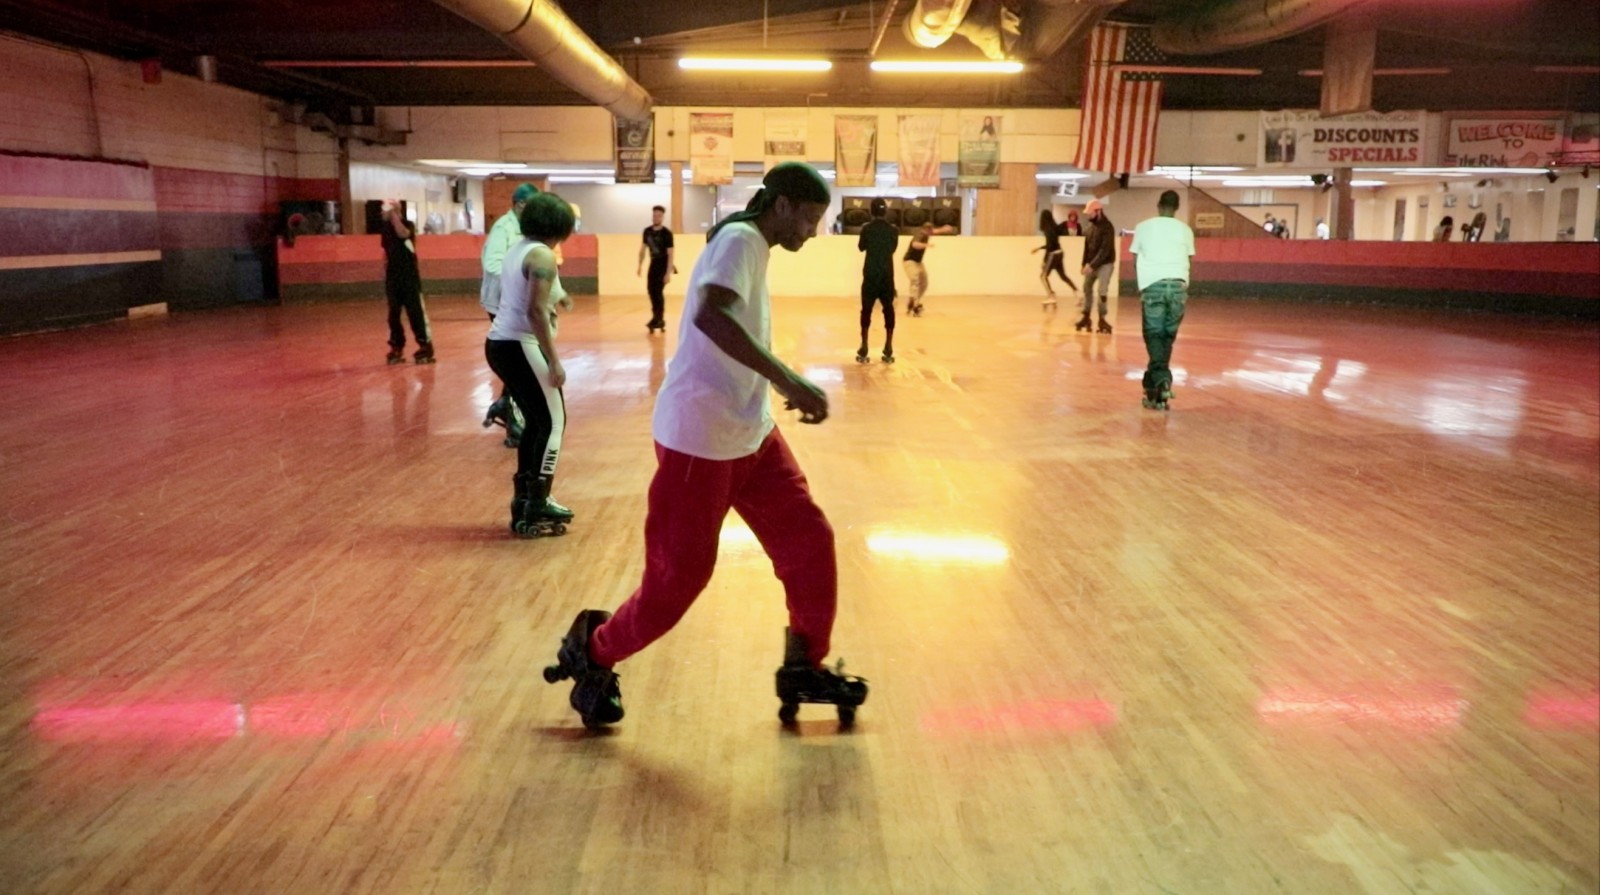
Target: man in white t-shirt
x,y
717,448
1163,245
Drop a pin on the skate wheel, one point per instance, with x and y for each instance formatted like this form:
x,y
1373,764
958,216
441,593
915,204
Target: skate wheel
x,y
847,715
554,674
788,712
558,529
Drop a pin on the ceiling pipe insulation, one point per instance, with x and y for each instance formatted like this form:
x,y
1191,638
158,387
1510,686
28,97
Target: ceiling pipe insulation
x,y
1237,24
931,22
542,33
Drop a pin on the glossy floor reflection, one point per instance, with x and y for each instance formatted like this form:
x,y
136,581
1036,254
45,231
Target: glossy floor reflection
x,y
1332,625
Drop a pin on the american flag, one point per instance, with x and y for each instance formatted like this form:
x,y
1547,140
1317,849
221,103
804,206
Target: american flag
x,y
1120,108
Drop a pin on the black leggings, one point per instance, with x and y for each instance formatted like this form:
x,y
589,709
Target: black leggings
x,y
871,296
1052,264
522,367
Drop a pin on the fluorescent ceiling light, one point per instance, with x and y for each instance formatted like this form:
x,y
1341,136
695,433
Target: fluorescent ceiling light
x,y
693,63
948,68
1060,176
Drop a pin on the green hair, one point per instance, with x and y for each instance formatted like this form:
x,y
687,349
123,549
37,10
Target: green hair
x,y
796,180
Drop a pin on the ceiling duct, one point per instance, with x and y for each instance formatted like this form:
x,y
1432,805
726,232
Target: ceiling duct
x,y
931,22
1235,24
542,33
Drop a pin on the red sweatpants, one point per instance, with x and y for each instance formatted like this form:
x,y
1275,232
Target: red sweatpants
x,y
689,498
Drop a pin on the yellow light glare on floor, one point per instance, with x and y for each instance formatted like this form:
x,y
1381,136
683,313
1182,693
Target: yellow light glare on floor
x,y
948,68
707,64
964,549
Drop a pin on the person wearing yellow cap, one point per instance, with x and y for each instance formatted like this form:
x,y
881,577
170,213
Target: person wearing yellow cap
x,y
505,233
1099,259
718,449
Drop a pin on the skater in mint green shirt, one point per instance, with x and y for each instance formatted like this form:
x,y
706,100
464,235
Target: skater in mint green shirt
x,y
1163,245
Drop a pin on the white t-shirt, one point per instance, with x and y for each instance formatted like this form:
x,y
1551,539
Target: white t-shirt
x,y
710,405
511,321
505,233
1163,245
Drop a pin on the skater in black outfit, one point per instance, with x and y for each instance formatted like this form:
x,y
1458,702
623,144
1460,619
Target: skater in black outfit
x,y
1099,258
521,349
402,282
879,239
1051,231
657,242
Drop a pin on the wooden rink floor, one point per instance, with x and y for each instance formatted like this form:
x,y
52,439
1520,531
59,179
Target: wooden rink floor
x,y
1332,625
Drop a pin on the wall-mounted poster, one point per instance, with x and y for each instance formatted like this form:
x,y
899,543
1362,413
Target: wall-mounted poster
x,y
635,151
1302,138
711,147
979,162
855,150
919,150
785,138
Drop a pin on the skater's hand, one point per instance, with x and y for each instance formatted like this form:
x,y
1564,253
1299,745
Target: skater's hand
x,y
558,374
666,278
801,394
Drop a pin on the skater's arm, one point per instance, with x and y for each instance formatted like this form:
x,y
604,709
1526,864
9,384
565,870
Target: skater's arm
x,y
672,266
716,320
638,269
540,266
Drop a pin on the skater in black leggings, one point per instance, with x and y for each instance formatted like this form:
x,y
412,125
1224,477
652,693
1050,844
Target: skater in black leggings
x,y
521,350
1052,257
878,239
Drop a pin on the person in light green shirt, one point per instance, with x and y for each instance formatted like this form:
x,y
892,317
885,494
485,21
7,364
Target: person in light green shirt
x,y
1163,245
505,233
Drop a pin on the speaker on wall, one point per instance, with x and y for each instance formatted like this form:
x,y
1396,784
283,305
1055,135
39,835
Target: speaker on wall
x,y
941,211
856,211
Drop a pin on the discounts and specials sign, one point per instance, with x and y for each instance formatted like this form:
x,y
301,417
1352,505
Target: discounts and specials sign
x,y
1295,138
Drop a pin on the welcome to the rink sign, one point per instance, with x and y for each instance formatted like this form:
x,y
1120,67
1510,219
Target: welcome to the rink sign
x,y
1503,139
1302,138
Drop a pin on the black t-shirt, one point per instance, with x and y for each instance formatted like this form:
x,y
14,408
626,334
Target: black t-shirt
x,y
1052,238
879,239
913,251
399,260
657,240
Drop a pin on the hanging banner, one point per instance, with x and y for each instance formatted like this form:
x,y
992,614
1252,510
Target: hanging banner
x,y
855,150
785,138
1501,139
635,150
979,164
1304,139
919,150
711,147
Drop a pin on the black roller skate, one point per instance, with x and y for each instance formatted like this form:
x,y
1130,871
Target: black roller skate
x,y
654,324
888,356
424,353
861,356
533,513
1105,327
504,412
800,681
396,355
1083,324
596,696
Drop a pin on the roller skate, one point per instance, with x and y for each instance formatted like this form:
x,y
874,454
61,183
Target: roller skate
x,y
596,697
395,355
533,513
1083,324
1104,327
504,412
861,356
1156,397
888,355
914,308
424,354
1049,302
655,323
800,681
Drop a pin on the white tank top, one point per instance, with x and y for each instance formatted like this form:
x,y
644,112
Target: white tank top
x,y
511,321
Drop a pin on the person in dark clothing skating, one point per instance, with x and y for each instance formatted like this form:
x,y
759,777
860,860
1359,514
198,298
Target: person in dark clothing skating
x,y
657,243
1099,258
1052,232
402,283
879,239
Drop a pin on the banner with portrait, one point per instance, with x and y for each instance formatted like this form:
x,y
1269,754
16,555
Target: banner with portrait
x,y
785,138
1302,138
855,150
635,150
919,150
711,147
979,159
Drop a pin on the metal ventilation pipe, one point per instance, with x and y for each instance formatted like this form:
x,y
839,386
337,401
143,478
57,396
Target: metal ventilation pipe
x,y
1244,23
542,33
931,22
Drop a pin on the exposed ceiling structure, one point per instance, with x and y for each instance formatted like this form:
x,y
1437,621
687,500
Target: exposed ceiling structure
x,y
1445,54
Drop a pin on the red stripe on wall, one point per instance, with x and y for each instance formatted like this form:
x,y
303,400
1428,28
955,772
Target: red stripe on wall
x,y
29,175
